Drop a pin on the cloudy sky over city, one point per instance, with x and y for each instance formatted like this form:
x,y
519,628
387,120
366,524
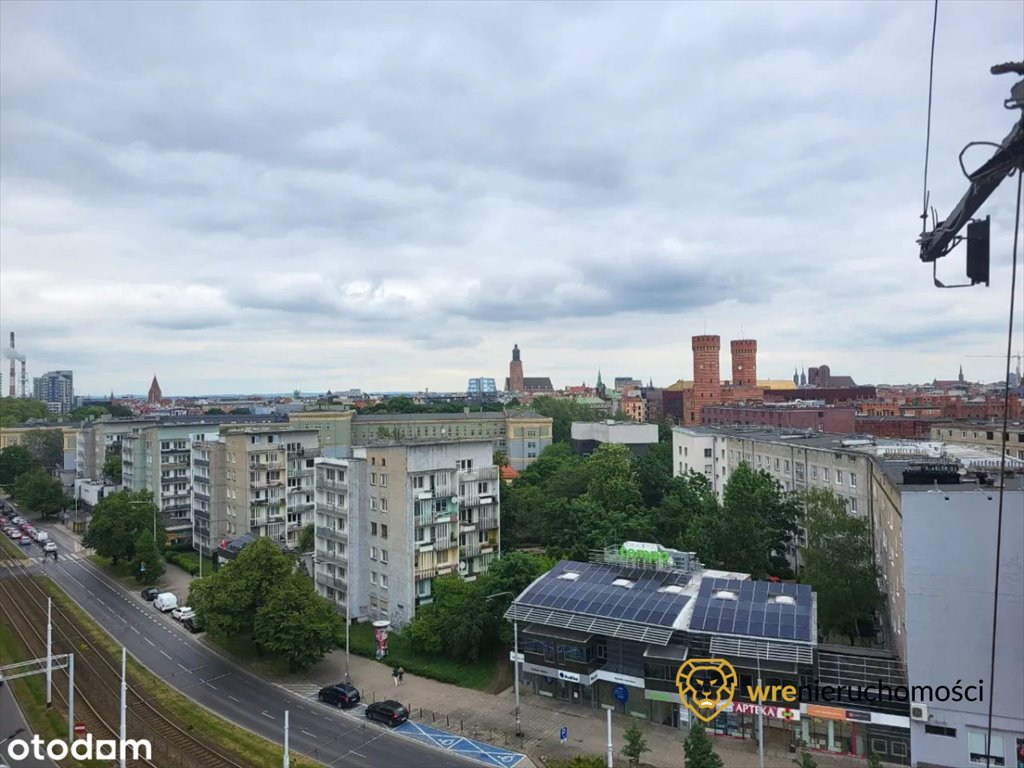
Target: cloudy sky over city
x,y
253,198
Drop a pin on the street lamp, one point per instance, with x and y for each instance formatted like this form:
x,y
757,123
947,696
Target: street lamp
x,y
515,658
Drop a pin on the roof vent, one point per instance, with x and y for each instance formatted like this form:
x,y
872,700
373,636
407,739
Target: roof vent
x,y
783,599
725,594
672,589
623,583
569,576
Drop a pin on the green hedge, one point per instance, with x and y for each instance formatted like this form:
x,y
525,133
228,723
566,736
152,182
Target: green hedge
x,y
189,562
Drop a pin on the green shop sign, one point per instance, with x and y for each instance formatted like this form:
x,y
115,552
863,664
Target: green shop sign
x,y
646,556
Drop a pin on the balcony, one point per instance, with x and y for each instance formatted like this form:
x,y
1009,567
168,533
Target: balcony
x,y
488,520
265,483
333,534
322,556
296,453
479,475
331,581
467,526
471,549
443,544
276,464
323,483
300,508
426,573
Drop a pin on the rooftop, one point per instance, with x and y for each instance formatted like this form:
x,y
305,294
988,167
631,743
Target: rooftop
x,y
460,416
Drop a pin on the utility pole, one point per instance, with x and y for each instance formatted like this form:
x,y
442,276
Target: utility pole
x,y
515,648
348,613
760,716
124,703
71,697
286,738
611,751
49,653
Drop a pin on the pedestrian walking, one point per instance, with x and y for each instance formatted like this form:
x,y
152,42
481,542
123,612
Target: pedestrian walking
x,y
401,675
395,674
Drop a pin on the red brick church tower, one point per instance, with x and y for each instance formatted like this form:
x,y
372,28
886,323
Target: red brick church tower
x,y
515,372
155,395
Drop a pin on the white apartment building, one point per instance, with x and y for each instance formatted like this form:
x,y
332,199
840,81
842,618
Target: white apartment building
x,y
423,510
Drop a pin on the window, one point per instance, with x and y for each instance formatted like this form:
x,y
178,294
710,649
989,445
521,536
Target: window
x,y
976,741
384,556
373,553
853,480
814,471
824,474
383,461
373,529
776,465
383,531
383,480
383,505
373,577
786,466
373,503
418,481
464,464
940,730
839,477
384,580
853,503
373,478
707,453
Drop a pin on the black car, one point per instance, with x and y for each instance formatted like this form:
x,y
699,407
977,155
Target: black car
x,y
150,593
390,712
341,695
192,626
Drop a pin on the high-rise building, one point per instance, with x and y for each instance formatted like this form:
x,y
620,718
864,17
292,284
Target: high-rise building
x,y
56,389
481,388
394,517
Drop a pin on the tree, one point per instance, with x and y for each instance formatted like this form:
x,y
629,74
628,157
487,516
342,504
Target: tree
x,y
687,499
839,564
47,445
241,411
507,577
453,624
652,472
88,412
15,461
215,412
805,760
117,522
307,539
147,565
119,411
297,623
635,744
40,493
700,752
227,601
112,468
18,410
563,413
874,761
501,459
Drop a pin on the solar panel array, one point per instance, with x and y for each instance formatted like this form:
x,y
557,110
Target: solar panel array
x,y
593,593
752,613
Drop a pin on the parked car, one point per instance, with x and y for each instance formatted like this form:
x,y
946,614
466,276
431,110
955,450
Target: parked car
x,y
192,625
150,594
165,602
341,695
182,612
391,713
25,539
49,547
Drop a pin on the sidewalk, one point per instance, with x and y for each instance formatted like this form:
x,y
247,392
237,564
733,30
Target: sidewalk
x,y
491,718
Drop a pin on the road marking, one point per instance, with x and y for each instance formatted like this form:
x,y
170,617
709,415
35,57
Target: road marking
x,y
184,667
309,734
357,754
264,713
213,686
149,641
165,654
234,699
122,618
133,629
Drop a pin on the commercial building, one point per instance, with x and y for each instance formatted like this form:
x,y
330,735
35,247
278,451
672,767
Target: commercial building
x,y
813,415
614,632
481,389
392,518
588,435
56,389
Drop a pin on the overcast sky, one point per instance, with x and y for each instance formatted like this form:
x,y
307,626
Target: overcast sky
x,y
258,197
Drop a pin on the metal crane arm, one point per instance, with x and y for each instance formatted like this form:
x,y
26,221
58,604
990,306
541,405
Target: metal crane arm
x,y
984,181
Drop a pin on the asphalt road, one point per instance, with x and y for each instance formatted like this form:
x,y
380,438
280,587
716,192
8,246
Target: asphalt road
x,y
179,658
10,721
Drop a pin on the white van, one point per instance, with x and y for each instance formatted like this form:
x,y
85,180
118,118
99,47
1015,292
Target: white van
x,y
42,536
165,602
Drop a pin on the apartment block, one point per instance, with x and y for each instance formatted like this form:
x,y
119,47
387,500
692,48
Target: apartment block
x,y
983,434
334,427
96,441
588,435
430,509
935,541
56,389
210,524
268,476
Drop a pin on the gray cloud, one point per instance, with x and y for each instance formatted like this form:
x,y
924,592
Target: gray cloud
x,y
390,195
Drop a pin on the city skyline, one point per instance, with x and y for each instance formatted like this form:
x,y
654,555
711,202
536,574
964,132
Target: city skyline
x,y
391,202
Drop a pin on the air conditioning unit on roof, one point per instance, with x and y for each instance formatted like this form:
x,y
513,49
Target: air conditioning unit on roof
x,y
919,712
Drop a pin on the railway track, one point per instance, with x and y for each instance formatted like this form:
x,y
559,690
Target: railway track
x,y
97,677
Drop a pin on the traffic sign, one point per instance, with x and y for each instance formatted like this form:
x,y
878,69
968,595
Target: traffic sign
x,y
79,729
563,735
620,693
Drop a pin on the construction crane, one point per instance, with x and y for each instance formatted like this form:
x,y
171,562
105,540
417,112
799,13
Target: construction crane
x,y
1018,358
1007,159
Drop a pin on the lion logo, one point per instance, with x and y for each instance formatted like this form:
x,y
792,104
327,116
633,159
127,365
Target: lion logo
x,y
706,686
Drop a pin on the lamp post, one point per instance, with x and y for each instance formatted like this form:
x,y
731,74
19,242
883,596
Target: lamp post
x,y
760,716
515,659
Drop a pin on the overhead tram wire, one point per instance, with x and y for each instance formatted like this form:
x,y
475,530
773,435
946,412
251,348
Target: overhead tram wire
x,y
928,129
1002,472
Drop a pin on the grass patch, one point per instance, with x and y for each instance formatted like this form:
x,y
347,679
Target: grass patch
x,y
246,745
241,649
30,693
481,675
10,548
189,562
122,570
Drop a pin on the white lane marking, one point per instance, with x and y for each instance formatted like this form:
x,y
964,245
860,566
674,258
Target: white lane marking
x,y
149,641
264,713
165,654
234,699
133,629
100,601
357,754
309,734
184,667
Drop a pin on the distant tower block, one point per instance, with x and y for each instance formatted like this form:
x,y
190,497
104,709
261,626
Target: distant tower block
x,y
707,382
744,362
